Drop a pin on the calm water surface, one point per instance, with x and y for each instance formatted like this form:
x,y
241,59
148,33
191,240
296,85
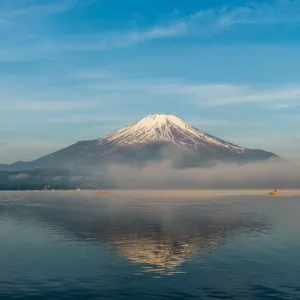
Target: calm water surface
x,y
67,245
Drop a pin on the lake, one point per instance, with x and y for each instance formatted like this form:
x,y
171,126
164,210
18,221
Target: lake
x,y
149,245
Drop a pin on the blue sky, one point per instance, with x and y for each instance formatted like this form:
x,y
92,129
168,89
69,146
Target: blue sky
x,y
78,69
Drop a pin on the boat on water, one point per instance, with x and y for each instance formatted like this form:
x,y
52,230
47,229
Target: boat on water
x,y
275,193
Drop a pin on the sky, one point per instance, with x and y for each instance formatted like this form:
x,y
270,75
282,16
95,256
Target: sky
x,y
75,70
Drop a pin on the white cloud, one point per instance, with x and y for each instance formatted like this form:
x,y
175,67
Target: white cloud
x,y
222,175
101,89
214,20
43,105
108,40
120,39
207,94
281,106
36,8
92,118
256,93
201,23
225,94
173,29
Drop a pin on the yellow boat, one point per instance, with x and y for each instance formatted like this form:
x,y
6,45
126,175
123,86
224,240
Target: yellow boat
x,y
101,193
275,193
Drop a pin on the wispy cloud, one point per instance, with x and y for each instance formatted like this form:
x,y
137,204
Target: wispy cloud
x,y
173,29
216,94
39,106
201,23
255,94
93,119
120,39
253,13
225,94
103,89
108,40
283,106
37,8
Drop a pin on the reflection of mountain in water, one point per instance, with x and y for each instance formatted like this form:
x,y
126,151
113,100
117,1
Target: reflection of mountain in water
x,y
168,246
161,254
159,238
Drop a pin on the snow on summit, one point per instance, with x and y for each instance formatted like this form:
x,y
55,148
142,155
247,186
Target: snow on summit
x,y
164,128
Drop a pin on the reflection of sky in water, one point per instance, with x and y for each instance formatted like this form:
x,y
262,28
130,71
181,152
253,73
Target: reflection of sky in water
x,y
85,243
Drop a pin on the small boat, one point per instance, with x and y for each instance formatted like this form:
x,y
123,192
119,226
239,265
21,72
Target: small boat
x,y
275,193
101,193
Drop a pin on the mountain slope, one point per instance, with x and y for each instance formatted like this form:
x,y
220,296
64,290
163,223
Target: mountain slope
x,y
154,137
166,128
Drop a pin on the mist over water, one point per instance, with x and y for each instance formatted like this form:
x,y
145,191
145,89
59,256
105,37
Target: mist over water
x,y
267,174
149,245
164,172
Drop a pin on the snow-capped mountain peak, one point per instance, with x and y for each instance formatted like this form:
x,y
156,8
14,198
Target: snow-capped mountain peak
x,y
161,120
164,128
142,142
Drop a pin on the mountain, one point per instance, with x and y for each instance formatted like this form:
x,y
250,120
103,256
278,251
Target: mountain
x,y
14,166
4,167
166,128
153,138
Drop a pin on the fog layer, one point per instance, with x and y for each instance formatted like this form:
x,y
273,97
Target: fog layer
x,y
269,174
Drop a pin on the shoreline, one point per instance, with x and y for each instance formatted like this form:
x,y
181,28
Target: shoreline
x,y
173,192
